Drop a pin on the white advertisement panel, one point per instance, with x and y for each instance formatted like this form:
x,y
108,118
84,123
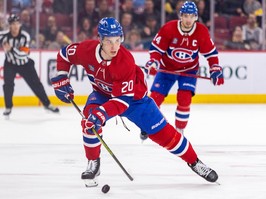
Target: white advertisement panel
x,y
244,73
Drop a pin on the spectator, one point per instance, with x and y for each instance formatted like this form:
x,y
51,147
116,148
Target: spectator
x,y
63,6
237,42
150,29
133,40
203,13
252,33
2,8
51,29
169,7
103,9
61,41
175,13
32,7
81,4
87,28
89,12
2,23
26,23
127,7
81,36
148,11
158,5
229,7
251,6
139,6
127,22
47,7
42,42
16,6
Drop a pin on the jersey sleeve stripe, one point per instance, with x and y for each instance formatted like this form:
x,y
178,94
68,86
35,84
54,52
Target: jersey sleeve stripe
x,y
63,54
155,48
127,95
212,53
120,101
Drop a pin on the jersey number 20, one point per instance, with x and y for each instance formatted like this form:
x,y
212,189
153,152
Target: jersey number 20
x,y
127,86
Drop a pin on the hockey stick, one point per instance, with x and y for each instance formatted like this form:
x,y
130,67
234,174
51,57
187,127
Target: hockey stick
x,y
180,73
183,74
101,140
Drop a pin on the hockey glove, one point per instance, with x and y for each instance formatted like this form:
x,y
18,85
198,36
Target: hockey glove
x,y
96,120
151,67
216,73
62,87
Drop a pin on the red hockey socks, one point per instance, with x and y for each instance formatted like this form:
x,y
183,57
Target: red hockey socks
x,y
175,143
157,97
183,108
92,144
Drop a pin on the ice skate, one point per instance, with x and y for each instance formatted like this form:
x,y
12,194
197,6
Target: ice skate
x,y
7,112
90,175
52,108
143,136
204,171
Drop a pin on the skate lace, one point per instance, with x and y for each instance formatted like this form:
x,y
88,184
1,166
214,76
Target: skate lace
x,y
92,166
202,169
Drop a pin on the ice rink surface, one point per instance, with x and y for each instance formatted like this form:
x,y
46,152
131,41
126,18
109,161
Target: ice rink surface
x,y
42,156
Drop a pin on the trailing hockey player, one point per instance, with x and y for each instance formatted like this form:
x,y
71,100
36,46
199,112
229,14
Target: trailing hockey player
x,y
119,88
176,47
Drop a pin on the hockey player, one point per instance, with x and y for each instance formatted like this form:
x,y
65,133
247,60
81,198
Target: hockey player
x,y
176,47
119,88
15,43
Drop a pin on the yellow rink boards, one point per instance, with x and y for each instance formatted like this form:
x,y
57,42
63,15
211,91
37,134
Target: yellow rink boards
x,y
171,99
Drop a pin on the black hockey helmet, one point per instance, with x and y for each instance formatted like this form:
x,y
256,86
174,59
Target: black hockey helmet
x,y
13,18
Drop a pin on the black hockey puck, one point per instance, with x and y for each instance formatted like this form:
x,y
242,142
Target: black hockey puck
x,y
105,188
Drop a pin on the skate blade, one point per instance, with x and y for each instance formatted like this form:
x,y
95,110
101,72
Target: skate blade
x,y
6,117
90,182
217,183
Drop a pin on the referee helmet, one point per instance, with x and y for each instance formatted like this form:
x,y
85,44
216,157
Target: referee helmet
x,y
13,18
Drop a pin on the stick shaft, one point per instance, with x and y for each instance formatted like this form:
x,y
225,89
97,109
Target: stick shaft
x,y
102,141
180,73
183,74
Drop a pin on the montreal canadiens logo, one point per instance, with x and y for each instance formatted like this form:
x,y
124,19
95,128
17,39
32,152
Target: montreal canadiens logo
x,y
103,86
182,55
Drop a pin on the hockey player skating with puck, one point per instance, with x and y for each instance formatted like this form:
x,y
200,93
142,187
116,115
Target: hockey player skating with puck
x,y
119,88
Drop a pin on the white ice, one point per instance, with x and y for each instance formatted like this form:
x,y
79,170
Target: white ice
x,y
42,156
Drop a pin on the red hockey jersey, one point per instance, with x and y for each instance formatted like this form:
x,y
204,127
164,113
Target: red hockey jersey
x,y
179,51
116,78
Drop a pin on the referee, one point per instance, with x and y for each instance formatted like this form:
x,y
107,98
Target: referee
x,y
15,43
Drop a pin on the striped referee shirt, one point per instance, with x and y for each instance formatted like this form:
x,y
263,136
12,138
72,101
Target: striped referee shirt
x,y
16,56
